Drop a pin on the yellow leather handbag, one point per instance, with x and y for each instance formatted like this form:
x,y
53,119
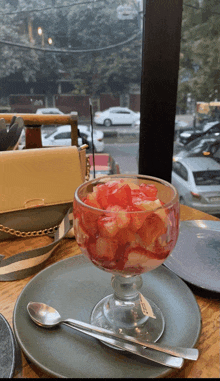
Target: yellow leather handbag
x,y
36,196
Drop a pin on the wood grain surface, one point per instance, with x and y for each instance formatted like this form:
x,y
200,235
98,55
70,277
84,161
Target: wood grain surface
x,y
208,364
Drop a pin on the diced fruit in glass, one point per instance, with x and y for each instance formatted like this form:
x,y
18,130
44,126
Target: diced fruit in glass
x,y
121,216
106,248
120,196
82,236
152,228
108,226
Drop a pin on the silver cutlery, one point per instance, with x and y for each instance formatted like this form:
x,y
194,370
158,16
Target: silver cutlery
x,y
47,317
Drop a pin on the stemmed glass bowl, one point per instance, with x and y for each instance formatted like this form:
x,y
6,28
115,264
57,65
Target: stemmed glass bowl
x,y
127,225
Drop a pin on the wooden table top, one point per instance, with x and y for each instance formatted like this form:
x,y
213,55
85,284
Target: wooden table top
x,y
208,364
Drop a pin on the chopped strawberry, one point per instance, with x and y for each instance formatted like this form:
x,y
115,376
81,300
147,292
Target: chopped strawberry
x,y
92,201
89,219
138,193
120,196
102,193
136,255
144,204
108,226
121,215
138,198
115,184
120,257
160,252
125,236
76,213
91,249
133,185
132,232
141,201
106,248
136,219
161,212
136,259
149,190
152,228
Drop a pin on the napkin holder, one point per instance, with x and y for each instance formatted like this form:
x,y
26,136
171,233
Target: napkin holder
x,y
36,196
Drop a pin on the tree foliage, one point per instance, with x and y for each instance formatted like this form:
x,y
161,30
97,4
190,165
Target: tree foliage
x,y
91,25
95,25
199,72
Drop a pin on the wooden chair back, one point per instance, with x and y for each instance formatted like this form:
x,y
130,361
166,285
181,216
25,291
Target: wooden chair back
x,y
37,120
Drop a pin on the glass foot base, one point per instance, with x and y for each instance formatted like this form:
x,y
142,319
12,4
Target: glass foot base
x,y
146,329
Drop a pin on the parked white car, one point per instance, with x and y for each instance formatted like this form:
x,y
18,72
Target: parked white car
x,y
116,115
197,180
136,124
61,136
49,110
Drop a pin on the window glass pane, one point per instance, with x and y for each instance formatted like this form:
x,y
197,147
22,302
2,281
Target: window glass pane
x,y
215,129
58,54
63,135
180,170
207,177
216,151
198,98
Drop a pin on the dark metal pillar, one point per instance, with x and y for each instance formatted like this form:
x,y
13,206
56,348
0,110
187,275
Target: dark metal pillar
x,y
160,65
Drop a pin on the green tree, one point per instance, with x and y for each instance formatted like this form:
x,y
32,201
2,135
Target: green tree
x,y
80,27
199,72
104,70
11,30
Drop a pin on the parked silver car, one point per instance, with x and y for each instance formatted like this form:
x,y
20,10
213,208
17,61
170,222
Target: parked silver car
x,y
197,180
202,146
209,128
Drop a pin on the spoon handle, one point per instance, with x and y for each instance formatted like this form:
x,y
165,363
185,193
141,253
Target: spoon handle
x,y
186,353
160,358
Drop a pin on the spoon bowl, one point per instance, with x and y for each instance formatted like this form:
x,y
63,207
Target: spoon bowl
x,y
44,315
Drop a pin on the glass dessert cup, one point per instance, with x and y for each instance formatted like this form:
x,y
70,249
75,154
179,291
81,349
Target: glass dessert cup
x,y
127,225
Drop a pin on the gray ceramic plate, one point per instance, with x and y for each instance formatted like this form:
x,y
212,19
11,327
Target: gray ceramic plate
x,y
196,257
7,349
73,286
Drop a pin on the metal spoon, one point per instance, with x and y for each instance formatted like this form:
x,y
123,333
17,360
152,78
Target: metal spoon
x,y
47,317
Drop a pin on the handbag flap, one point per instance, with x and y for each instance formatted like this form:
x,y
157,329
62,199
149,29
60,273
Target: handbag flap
x,y
38,177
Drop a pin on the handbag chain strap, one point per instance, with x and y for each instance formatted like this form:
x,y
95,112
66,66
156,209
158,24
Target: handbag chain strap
x,y
87,176
35,233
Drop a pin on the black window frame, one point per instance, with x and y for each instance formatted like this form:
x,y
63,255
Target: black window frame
x,y
160,66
